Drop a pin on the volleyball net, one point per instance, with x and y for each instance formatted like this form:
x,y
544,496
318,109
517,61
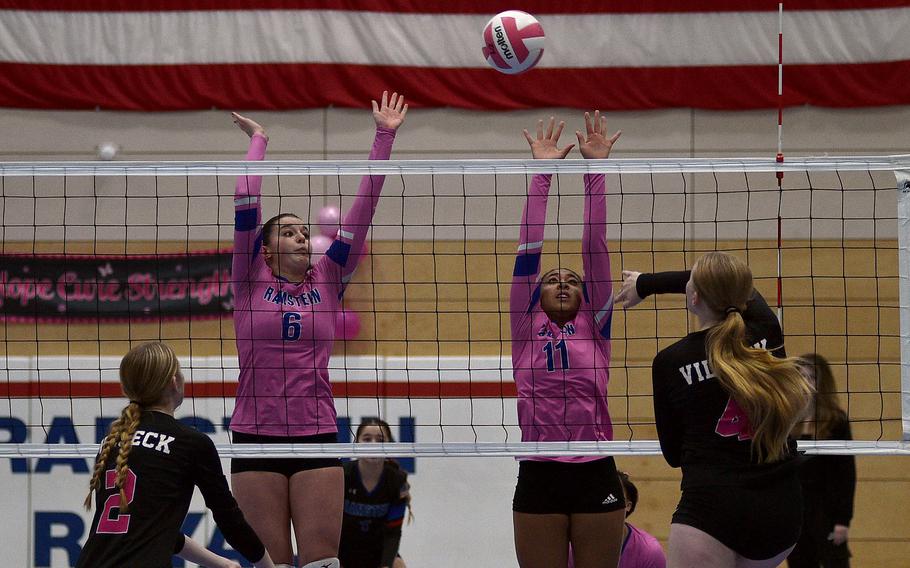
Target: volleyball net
x,y
98,256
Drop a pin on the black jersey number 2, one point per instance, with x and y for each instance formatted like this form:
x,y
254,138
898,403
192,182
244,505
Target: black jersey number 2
x,y
118,524
563,349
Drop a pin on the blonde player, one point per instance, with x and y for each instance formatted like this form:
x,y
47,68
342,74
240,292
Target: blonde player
x,y
147,470
725,401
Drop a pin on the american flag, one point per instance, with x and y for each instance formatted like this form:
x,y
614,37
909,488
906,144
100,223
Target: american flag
x,y
284,54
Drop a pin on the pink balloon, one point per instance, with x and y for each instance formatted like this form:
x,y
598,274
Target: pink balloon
x,y
329,220
319,244
347,324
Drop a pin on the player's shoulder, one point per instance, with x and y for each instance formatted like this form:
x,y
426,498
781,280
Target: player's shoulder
x,y
335,257
177,436
689,347
645,535
649,548
189,435
674,351
395,473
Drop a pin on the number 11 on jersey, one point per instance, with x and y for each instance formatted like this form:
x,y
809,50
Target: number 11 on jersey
x,y
563,349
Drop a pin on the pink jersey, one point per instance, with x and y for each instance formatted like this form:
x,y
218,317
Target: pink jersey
x,y
562,374
639,550
285,330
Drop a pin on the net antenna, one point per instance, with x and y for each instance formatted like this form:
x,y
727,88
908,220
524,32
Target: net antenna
x,y
780,158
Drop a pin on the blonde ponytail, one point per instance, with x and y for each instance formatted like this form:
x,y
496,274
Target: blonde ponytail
x,y
771,391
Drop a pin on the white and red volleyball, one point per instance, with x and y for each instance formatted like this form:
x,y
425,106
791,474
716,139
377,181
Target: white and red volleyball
x,y
513,42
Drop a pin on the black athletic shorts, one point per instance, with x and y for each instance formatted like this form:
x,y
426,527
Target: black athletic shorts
x,y
284,466
757,522
546,487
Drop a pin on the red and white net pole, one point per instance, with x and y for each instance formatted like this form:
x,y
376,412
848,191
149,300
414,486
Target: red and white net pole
x,y
780,152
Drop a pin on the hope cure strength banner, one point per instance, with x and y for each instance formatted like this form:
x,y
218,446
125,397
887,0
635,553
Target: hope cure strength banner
x,y
60,288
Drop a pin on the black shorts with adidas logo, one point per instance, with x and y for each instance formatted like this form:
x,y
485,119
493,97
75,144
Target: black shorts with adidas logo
x,y
547,487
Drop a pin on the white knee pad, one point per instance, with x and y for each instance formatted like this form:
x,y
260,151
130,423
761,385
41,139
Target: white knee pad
x,y
324,563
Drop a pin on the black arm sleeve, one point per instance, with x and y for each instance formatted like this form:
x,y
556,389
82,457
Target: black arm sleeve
x,y
673,282
227,514
841,481
759,313
669,426
390,542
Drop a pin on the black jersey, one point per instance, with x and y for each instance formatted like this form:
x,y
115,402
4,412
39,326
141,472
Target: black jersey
x,y
700,426
371,530
167,461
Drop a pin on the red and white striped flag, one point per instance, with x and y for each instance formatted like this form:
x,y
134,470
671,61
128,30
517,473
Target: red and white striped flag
x,y
282,54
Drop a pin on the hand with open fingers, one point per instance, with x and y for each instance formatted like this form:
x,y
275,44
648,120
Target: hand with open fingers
x,y
545,146
628,293
594,144
248,125
389,112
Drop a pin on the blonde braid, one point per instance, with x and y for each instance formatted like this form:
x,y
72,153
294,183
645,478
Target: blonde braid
x,y
132,414
104,454
95,482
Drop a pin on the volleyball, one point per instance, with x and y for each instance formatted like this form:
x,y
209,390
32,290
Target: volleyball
x,y
513,42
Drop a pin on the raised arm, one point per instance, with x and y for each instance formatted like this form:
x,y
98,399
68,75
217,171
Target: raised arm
x,y
636,286
389,114
530,245
594,252
247,210
533,219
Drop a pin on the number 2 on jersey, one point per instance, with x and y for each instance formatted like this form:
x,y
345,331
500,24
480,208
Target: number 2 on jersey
x,y
563,349
734,422
119,524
